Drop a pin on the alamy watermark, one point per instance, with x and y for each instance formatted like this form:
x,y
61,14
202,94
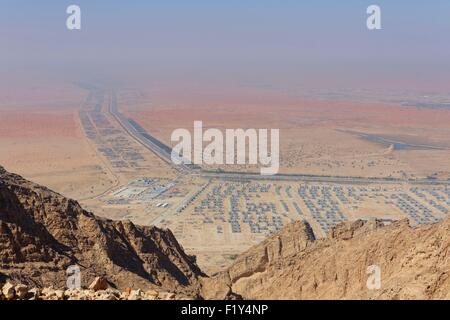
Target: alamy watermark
x,y
73,277
229,150
73,21
374,19
374,279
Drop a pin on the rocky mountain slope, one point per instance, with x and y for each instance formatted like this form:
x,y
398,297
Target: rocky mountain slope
x,y
42,233
413,264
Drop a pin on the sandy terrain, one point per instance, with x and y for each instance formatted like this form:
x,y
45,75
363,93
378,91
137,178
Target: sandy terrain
x,y
314,134
79,149
40,138
216,230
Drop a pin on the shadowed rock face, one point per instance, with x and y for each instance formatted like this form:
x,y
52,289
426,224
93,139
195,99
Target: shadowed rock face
x,y
42,233
414,264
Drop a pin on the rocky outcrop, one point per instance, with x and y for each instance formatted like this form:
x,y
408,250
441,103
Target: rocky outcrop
x,y
292,240
414,264
21,292
43,233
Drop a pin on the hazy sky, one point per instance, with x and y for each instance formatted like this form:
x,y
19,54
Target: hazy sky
x,y
281,42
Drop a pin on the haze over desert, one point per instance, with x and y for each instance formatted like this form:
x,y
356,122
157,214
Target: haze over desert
x,y
326,147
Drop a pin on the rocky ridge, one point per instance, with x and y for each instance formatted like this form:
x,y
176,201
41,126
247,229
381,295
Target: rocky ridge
x,y
43,233
414,263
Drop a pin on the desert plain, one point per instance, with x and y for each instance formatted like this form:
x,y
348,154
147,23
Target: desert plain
x,y
341,159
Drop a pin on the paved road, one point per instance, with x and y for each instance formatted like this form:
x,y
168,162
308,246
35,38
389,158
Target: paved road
x,y
302,177
138,133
